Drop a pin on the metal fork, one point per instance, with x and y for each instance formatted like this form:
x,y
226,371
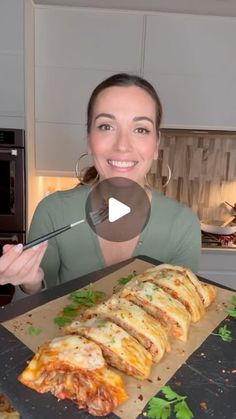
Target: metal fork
x,y
97,217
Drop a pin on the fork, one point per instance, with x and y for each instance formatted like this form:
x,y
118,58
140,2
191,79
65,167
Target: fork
x,y
97,216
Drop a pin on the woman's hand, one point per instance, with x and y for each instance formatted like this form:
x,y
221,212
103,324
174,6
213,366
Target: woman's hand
x,y
19,267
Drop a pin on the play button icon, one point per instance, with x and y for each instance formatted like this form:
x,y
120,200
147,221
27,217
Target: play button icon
x,y
125,209
116,210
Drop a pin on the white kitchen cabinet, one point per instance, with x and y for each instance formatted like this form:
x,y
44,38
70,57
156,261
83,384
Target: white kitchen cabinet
x,y
12,63
62,93
58,147
82,38
75,49
191,61
219,265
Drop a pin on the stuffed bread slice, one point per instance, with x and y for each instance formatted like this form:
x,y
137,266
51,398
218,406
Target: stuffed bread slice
x,y
72,367
139,324
159,304
118,347
179,286
207,292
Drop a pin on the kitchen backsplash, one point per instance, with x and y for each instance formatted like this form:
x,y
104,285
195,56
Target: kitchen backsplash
x,y
203,170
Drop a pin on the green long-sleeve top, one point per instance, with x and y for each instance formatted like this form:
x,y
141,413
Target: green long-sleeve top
x,y
172,235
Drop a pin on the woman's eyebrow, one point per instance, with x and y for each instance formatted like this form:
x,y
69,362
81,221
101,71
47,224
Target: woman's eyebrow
x,y
140,118
106,115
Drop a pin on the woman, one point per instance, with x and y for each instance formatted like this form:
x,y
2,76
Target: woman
x,y
123,119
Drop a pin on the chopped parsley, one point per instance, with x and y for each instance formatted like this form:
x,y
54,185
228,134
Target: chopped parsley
x,y
123,281
86,297
111,341
224,333
33,331
162,408
102,323
232,310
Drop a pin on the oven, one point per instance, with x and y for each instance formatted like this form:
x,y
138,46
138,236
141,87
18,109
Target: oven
x,y
12,180
12,191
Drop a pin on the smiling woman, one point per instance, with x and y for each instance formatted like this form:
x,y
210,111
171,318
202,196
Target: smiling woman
x,y
124,141
123,120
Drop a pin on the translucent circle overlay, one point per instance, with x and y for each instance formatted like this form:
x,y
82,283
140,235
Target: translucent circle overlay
x,y
126,192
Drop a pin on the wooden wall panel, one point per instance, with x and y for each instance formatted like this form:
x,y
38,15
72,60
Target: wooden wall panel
x,y
203,171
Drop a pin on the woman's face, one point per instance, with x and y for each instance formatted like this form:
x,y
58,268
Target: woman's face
x,y
123,139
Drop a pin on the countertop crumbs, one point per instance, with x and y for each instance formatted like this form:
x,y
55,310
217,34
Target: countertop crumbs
x,y
7,408
203,405
180,351
178,383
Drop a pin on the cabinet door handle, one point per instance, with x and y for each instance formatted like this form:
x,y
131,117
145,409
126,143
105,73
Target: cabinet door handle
x,y
12,152
13,239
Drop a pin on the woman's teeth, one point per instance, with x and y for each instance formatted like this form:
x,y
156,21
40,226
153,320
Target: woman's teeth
x,y
117,163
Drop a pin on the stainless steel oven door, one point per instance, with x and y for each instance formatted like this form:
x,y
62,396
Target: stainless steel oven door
x,y
12,189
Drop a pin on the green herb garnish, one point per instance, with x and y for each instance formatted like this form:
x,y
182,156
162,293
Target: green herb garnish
x,y
102,323
70,310
68,314
124,280
232,310
86,297
62,320
224,333
161,409
149,297
33,331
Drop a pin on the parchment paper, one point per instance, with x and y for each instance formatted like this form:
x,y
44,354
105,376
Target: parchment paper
x,y
139,392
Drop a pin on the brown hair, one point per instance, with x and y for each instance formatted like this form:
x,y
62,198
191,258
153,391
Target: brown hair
x,y
123,80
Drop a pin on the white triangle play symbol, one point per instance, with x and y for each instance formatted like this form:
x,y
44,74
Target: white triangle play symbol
x,y
116,209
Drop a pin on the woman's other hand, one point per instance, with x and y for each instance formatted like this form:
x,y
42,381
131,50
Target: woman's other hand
x,y
19,267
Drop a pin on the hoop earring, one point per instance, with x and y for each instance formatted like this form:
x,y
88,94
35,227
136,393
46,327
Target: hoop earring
x,y
80,173
168,177
167,181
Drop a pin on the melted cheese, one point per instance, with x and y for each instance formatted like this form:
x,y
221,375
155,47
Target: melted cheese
x,y
120,349
181,288
207,292
147,330
71,351
74,350
72,367
153,297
